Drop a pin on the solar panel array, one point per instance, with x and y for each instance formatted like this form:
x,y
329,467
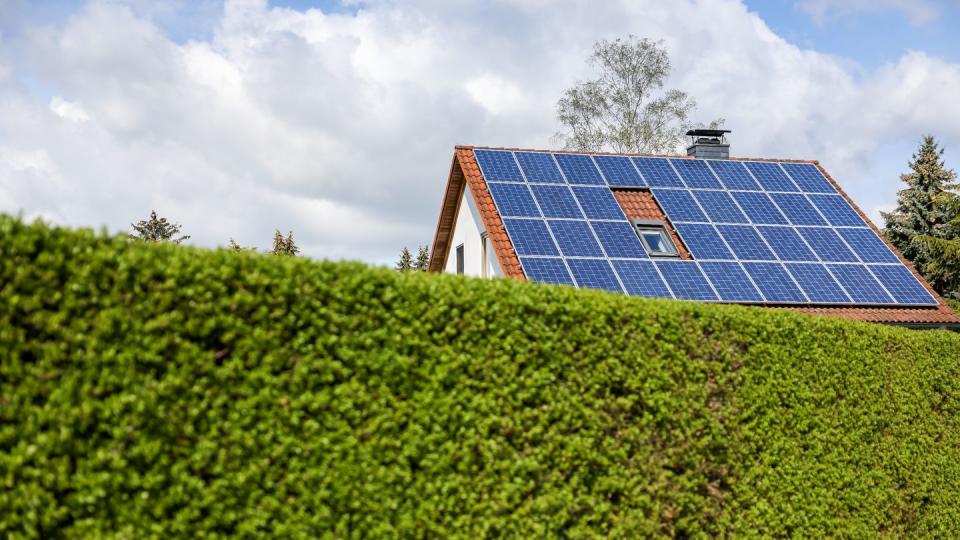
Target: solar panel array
x,y
758,232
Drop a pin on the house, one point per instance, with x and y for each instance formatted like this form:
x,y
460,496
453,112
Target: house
x,y
707,227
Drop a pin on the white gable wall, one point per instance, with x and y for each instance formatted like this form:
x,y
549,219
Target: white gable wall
x,y
469,231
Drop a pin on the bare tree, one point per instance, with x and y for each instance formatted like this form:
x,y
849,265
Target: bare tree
x,y
624,109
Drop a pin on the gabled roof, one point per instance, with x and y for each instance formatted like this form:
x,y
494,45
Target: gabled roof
x,y
466,173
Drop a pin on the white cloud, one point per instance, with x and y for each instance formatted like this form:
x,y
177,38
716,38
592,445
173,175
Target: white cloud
x,y
917,11
341,126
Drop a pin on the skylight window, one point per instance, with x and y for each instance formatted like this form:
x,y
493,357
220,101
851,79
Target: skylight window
x,y
655,239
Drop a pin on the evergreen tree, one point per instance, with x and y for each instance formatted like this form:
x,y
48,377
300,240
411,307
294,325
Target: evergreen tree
x,y
924,208
423,259
942,269
156,229
284,246
405,264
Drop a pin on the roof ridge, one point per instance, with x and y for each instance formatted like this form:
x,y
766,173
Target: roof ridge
x,y
627,154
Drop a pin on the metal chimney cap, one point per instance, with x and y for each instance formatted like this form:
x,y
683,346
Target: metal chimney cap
x,y
707,132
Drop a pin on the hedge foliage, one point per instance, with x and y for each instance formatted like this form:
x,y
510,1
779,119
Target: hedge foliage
x,y
163,391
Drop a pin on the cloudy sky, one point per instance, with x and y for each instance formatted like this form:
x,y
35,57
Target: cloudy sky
x,y
337,120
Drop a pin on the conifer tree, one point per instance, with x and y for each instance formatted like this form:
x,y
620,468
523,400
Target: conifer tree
x,y
284,246
924,207
156,229
423,259
405,264
942,269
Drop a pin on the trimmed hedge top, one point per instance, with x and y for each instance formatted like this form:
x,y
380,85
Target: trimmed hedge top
x,y
164,391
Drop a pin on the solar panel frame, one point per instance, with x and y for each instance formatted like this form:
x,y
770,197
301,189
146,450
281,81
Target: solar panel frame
x,y
575,238
731,281
770,176
498,166
719,206
514,200
775,283
539,167
837,210
703,241
552,270
598,203
641,278
733,175
619,171
619,239
746,243
579,169
902,284
866,245
808,178
686,280
860,284
696,174
657,172
798,209
819,284
530,237
594,274
759,208
679,205
556,201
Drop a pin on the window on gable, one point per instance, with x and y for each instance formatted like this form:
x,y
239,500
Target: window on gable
x,y
460,259
655,238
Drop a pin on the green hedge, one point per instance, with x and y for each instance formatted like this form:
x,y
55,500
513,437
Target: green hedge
x,y
163,391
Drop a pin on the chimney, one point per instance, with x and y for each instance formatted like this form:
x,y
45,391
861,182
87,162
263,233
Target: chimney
x,y
708,144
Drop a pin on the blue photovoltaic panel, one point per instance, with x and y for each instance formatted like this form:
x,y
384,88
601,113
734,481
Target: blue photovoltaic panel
x,y
797,209
498,166
902,284
703,241
619,239
837,211
679,205
598,203
731,282
719,206
579,169
860,283
555,201
686,280
640,278
734,175
746,242
546,270
826,244
619,171
774,282
786,243
695,173
530,237
818,283
513,200
759,208
771,176
594,274
575,238
868,246
657,172
808,177
539,167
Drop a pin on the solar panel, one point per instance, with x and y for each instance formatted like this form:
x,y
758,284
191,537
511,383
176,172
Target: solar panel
x,y
770,176
837,210
640,278
786,243
539,167
619,171
598,203
860,283
594,274
498,166
746,242
546,270
733,175
808,177
513,200
703,241
868,246
719,206
731,282
575,238
679,205
826,244
817,283
797,209
555,201
759,208
774,282
579,169
902,284
696,174
686,280
530,237
619,239
657,172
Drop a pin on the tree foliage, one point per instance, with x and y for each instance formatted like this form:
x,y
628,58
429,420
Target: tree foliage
x,y
925,221
625,108
405,264
284,246
422,262
156,229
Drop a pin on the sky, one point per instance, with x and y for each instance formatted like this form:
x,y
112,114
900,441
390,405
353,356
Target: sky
x,y
338,119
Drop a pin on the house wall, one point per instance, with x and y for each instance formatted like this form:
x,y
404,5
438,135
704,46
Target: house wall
x,y
468,231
